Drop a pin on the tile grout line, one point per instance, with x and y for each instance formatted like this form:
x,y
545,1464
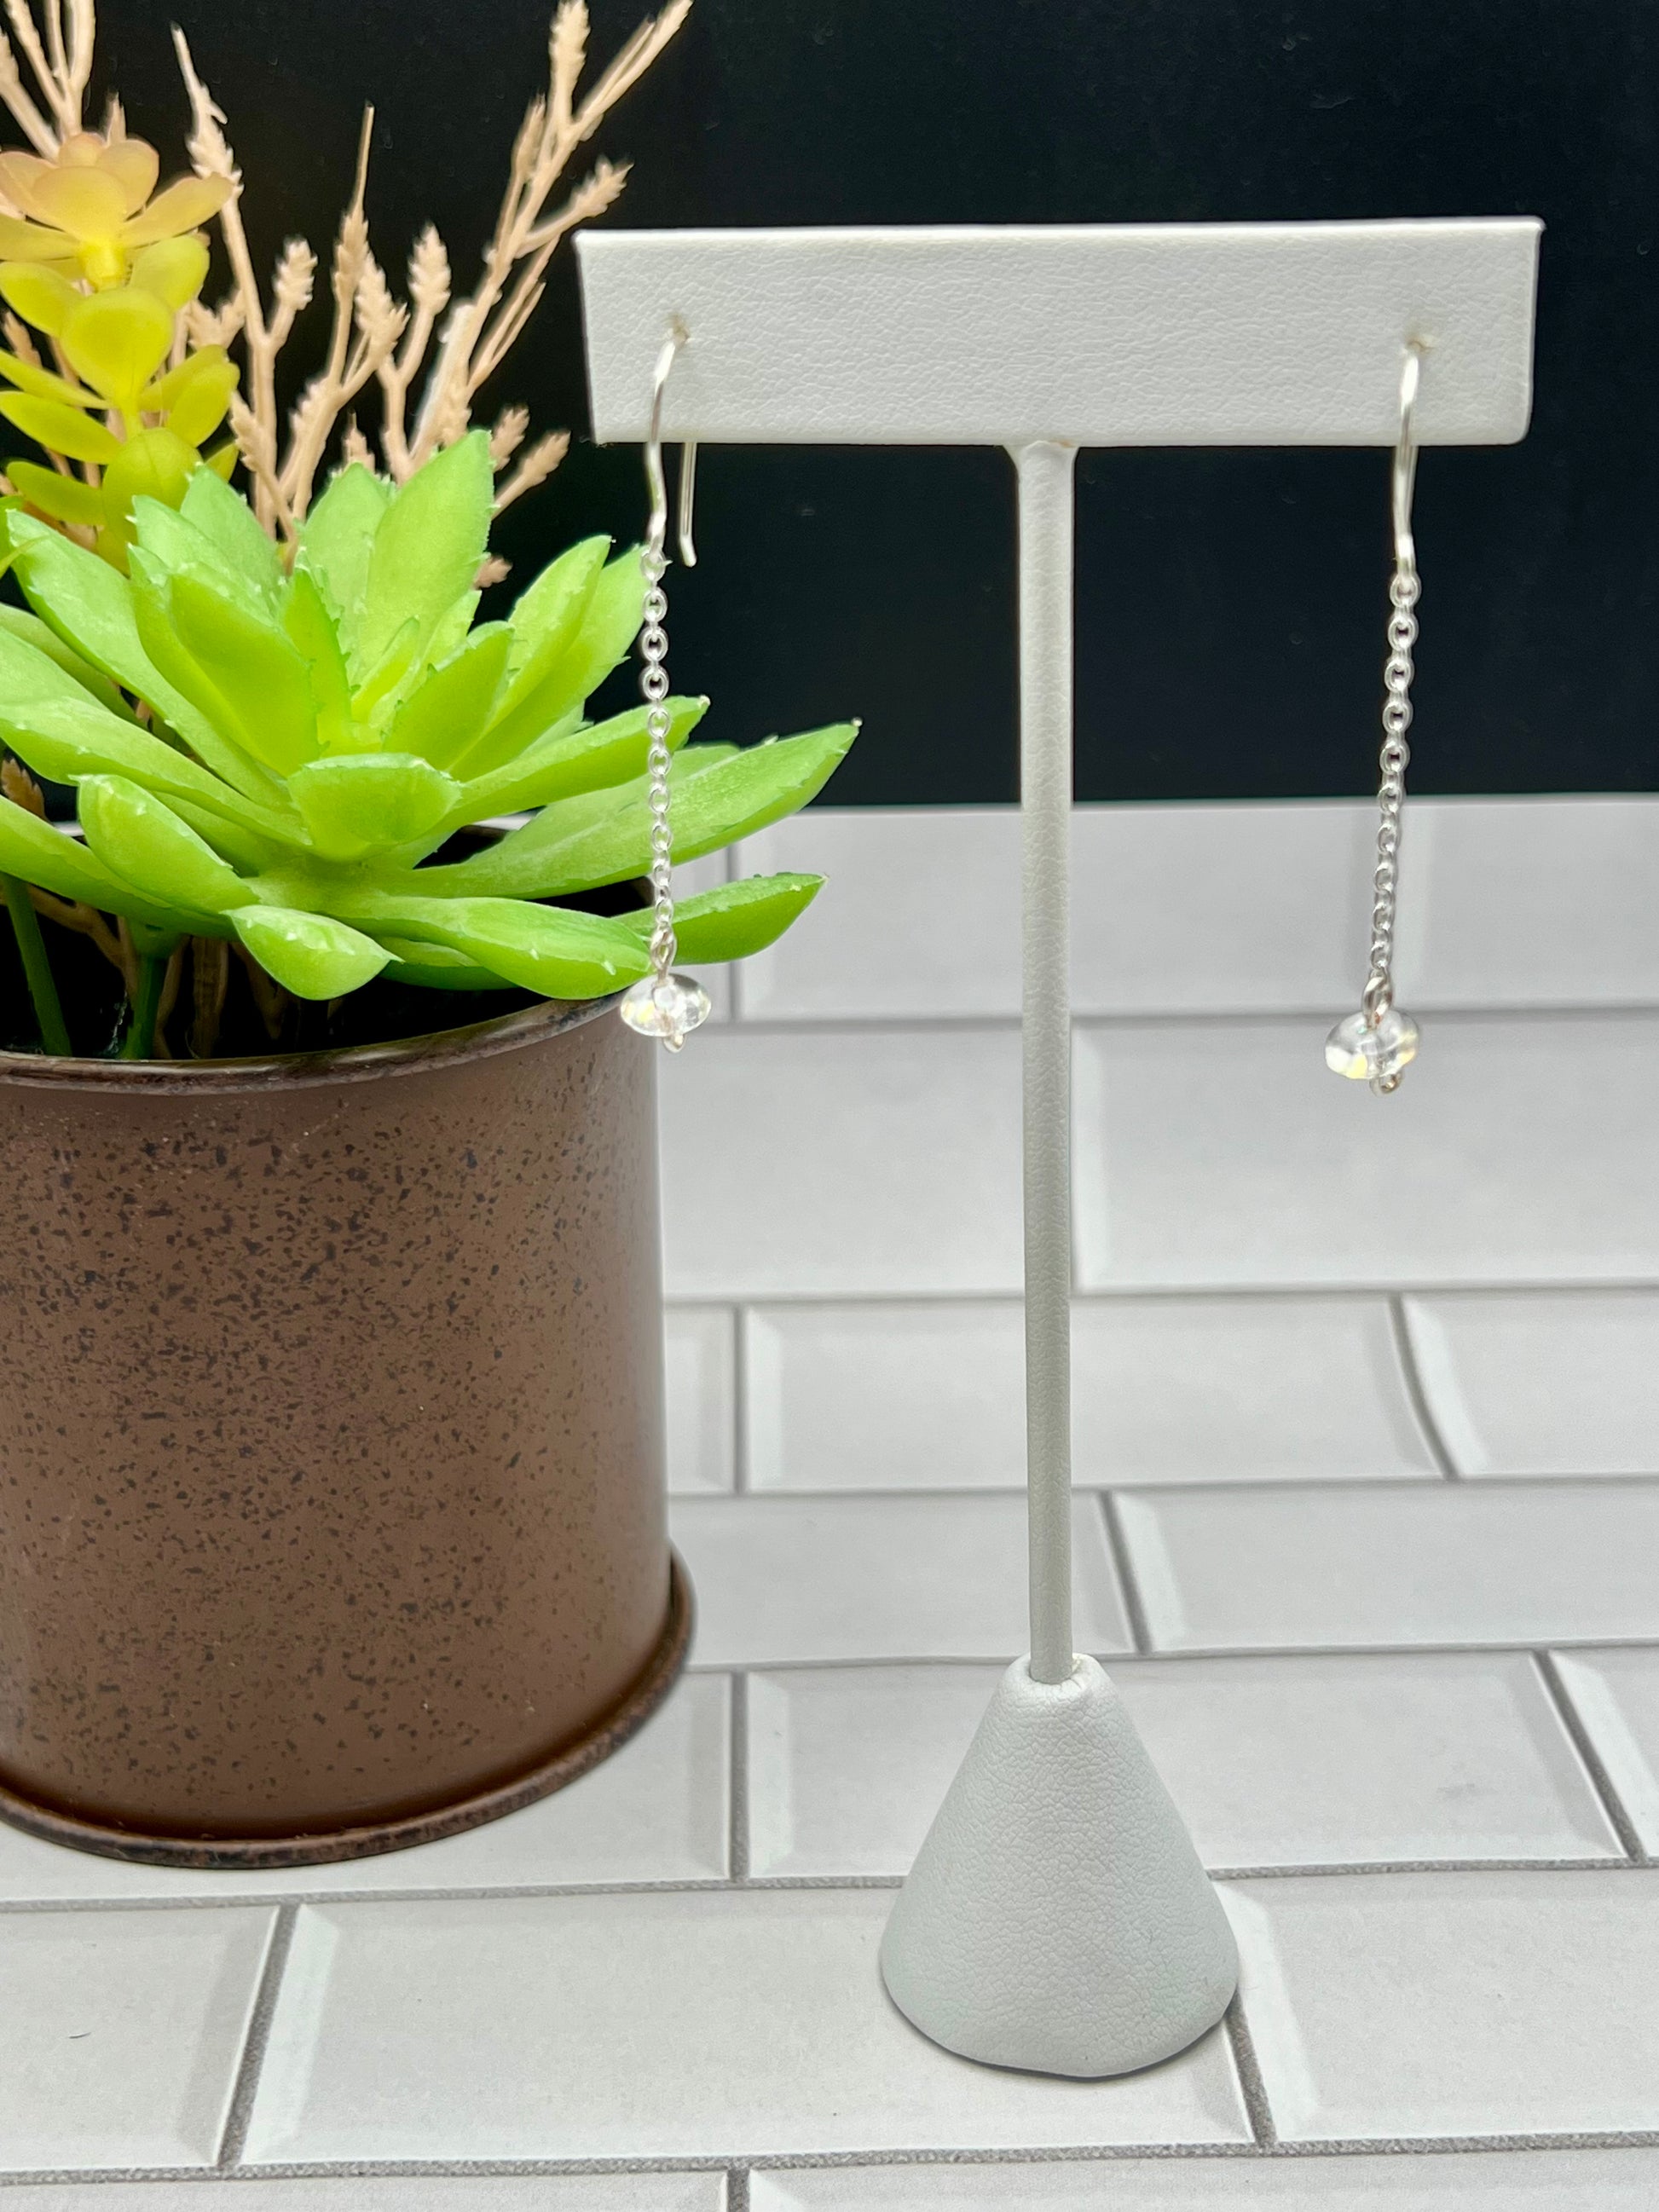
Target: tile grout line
x,y
1134,1613
721,1885
259,2035
1298,1290
846,1021
776,1663
739,1379
1419,1485
737,1847
1257,2107
1405,1354
1246,2152
1584,1744
736,2190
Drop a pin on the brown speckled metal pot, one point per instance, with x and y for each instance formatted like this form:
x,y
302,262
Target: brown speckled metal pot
x,y
331,1491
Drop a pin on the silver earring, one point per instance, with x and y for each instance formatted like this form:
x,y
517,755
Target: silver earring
x,y
662,1004
1375,1044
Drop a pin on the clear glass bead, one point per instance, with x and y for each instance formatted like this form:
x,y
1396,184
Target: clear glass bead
x,y
665,1006
1368,1054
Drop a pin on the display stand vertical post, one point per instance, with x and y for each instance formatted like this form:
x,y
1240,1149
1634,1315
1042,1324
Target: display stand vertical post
x,y
1045,469
1057,1917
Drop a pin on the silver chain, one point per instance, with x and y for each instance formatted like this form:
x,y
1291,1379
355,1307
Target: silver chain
x,y
1395,757
654,683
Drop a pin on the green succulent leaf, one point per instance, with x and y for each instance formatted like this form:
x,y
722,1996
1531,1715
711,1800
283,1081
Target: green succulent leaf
x,y
565,766
115,341
548,949
311,632
66,499
549,613
554,683
444,712
155,465
451,631
352,803
389,671
429,545
309,954
228,523
172,540
435,967
91,606
33,850
141,840
336,538
715,803
33,631
29,376
40,296
60,428
61,732
174,269
261,686
196,394
304,742
734,920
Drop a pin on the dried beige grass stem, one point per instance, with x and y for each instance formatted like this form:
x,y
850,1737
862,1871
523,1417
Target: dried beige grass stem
x,y
482,328
59,56
376,337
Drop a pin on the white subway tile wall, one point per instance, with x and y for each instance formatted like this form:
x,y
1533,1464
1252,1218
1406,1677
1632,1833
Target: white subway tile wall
x,y
1435,2005
1541,1381
919,1396
1624,2180
657,2026
1365,1395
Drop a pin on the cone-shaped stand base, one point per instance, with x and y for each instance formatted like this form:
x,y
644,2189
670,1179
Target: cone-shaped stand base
x,y
1058,1917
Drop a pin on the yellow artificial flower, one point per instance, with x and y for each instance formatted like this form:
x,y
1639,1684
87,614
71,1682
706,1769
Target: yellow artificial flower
x,y
86,213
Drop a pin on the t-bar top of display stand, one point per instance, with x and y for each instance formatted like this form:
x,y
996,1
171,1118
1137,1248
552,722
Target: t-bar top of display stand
x,y
1042,340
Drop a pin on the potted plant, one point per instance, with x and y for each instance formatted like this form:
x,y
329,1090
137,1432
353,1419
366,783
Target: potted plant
x,y
331,1516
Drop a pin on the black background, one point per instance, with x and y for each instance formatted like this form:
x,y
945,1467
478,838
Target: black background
x,y
1230,603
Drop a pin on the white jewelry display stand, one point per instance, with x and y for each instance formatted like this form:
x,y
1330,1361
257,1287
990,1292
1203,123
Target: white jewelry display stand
x,y
1058,1917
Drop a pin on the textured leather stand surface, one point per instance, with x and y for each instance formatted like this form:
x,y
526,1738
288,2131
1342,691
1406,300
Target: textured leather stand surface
x,y
1155,334
1057,1917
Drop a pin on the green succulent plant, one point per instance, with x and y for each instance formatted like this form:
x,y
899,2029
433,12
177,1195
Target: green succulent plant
x,y
306,742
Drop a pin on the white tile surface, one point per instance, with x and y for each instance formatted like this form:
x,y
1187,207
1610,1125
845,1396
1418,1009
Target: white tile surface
x,y
1397,1564
1534,1382
1453,2004
541,2192
884,1397
1310,1761
785,1579
1529,902
1212,1154
702,1409
922,1396
1617,1697
656,1811
1240,1389
1339,1759
1180,909
654,2026
1487,2181
842,1162
869,944
120,2034
848,1765
1251,907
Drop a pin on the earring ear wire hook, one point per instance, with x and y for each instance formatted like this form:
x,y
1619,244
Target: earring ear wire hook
x,y
658,527
1405,458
